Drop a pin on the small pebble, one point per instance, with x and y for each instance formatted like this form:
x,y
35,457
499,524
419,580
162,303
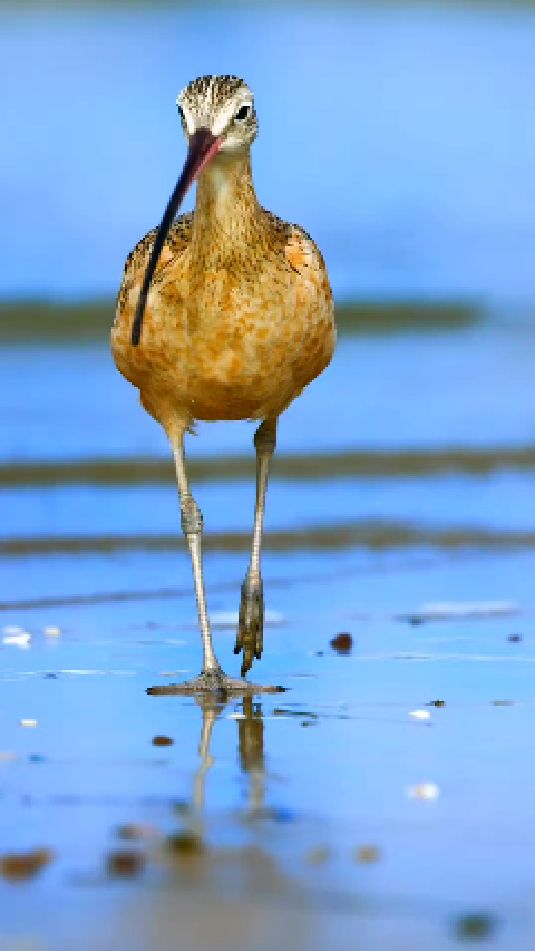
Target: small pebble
x,y
476,926
424,791
17,866
366,854
36,758
436,703
52,631
29,722
420,714
125,863
502,703
161,740
185,844
319,855
514,638
342,643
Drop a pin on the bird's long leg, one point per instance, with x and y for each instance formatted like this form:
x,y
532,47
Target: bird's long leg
x,y
212,679
192,524
249,636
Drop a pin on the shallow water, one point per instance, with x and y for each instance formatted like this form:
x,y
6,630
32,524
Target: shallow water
x,y
293,787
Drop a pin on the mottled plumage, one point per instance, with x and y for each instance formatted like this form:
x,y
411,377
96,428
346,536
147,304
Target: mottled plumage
x,y
239,314
239,317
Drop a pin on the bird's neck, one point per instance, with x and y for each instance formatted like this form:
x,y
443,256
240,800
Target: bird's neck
x,y
227,213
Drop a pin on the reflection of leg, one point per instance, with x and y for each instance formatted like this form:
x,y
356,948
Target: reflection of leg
x,y
249,637
192,528
210,713
251,747
251,751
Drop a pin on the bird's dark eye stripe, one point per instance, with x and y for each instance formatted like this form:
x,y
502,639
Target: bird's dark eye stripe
x,y
243,112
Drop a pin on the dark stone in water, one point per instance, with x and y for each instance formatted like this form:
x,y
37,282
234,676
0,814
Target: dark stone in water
x,y
18,866
185,845
367,854
342,643
161,740
474,927
125,863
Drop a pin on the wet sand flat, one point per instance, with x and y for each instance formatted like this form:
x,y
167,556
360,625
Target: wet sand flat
x,y
385,797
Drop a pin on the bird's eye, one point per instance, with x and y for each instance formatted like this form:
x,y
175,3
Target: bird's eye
x,y
243,112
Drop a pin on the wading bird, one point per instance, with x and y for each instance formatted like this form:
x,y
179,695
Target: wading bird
x,y
225,313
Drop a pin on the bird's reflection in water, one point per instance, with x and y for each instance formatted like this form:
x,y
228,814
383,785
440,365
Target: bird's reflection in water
x,y
222,891
210,712
250,750
240,863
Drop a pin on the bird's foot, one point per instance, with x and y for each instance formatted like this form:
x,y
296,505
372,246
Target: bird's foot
x,y
250,633
214,683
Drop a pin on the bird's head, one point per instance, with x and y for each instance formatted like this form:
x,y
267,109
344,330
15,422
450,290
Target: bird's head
x,y
223,106
218,118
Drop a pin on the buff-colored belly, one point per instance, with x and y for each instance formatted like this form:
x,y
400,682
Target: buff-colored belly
x,y
211,353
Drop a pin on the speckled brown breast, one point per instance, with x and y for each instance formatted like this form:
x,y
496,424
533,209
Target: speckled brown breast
x,y
229,334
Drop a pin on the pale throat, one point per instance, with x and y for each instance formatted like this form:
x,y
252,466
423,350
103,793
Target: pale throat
x,y
226,205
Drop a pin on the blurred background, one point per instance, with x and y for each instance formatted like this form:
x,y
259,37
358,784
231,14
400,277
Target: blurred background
x,y
401,136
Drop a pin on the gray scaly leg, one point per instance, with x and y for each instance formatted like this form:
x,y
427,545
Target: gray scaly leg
x,y
249,636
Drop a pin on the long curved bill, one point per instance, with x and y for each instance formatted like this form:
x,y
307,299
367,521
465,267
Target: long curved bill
x,y
203,145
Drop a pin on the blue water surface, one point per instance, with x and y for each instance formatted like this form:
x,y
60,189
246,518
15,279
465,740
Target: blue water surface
x,y
401,136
